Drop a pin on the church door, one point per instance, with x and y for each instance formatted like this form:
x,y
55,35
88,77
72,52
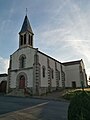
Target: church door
x,y
22,82
73,84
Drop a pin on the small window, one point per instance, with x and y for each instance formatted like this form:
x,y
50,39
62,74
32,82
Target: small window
x,y
43,71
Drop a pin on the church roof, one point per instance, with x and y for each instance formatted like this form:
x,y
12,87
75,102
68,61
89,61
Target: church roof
x,y
26,26
72,62
3,75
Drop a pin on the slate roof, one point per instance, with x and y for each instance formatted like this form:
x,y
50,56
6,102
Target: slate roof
x,y
72,62
3,75
26,26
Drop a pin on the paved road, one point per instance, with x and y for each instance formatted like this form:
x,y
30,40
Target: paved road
x,y
38,109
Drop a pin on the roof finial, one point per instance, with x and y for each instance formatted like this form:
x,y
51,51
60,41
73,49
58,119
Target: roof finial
x,y
26,11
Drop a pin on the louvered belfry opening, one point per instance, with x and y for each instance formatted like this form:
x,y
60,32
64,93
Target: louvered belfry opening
x,y
26,34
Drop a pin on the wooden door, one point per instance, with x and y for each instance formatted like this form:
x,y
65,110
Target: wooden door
x,y
22,82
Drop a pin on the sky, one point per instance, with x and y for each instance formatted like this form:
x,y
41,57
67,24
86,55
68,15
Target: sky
x,y
61,28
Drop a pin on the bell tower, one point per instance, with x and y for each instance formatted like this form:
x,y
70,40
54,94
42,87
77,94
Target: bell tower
x,y
26,34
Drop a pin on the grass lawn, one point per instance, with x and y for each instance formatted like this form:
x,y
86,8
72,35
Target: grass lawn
x,y
70,93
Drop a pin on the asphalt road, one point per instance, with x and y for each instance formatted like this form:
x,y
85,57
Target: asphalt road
x,y
35,109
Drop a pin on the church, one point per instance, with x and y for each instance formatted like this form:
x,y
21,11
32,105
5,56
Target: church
x,y
33,72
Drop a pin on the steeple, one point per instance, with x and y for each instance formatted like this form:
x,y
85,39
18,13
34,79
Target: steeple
x,y
26,34
26,26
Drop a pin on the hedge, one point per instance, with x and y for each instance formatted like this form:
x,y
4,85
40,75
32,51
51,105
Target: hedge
x,y
79,108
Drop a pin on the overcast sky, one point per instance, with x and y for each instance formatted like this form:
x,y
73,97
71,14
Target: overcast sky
x,y
61,28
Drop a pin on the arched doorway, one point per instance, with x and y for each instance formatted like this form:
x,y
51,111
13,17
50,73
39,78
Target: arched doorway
x,y
22,82
3,86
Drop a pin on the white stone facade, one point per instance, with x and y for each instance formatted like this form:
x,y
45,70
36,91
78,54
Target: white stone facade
x,y
15,69
64,74
75,73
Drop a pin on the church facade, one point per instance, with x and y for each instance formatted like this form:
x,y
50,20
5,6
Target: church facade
x,y
33,72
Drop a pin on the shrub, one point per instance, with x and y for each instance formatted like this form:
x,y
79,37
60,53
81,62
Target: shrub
x,y
79,108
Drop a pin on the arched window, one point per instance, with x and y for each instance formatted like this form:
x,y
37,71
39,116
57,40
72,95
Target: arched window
x,y
22,61
59,75
21,39
31,40
24,38
43,71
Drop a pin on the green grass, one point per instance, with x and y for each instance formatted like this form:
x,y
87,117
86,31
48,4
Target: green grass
x,y
72,92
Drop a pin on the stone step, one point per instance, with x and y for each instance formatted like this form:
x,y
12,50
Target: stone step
x,y
19,92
